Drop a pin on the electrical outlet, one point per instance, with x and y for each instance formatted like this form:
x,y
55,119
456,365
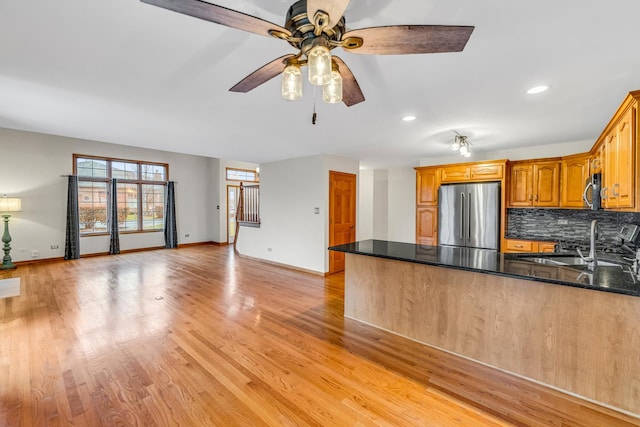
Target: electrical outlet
x,y
563,221
186,235
35,253
54,246
268,249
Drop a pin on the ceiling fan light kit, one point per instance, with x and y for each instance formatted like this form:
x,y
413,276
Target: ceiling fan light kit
x,y
314,28
462,144
292,82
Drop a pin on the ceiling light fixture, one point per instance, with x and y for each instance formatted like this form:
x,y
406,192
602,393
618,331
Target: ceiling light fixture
x,y
461,144
409,118
537,89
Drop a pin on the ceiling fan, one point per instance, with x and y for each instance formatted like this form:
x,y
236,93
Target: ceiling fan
x,y
313,28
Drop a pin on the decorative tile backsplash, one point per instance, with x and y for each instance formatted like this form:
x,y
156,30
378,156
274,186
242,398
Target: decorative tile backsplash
x,y
549,223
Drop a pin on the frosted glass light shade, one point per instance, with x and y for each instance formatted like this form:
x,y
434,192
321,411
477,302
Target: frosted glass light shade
x,y
10,204
292,83
319,63
332,91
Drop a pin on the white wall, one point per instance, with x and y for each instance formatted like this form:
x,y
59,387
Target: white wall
x,y
290,232
365,204
32,165
402,205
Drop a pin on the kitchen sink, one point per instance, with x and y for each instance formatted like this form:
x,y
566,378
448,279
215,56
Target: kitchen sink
x,y
567,260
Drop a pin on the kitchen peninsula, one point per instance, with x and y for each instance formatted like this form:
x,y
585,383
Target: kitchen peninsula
x,y
570,328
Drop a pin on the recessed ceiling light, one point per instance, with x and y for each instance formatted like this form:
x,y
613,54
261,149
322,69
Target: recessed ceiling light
x,y
537,89
409,118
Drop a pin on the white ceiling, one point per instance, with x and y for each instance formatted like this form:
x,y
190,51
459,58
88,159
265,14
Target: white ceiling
x,y
125,72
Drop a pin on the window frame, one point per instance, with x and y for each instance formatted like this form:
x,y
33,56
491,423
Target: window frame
x,y
139,183
254,172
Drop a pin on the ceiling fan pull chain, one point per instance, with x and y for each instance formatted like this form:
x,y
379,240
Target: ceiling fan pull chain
x,y
314,116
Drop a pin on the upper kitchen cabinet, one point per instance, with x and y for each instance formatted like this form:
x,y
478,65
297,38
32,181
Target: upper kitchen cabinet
x,y
427,183
479,171
574,173
617,146
534,183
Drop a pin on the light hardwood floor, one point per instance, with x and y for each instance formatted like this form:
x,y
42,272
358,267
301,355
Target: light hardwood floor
x,y
200,337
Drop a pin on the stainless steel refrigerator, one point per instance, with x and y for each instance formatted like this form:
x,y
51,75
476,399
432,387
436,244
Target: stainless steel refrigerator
x,y
469,215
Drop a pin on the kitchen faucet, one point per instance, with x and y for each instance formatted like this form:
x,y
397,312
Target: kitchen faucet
x,y
591,260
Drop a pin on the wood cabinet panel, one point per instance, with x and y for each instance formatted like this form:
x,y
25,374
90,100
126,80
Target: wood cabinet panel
x,y
534,184
427,225
517,245
546,184
487,171
455,173
574,173
521,185
427,183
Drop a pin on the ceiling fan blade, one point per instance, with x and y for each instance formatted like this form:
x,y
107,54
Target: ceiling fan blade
x,y
334,8
220,15
408,39
262,75
351,92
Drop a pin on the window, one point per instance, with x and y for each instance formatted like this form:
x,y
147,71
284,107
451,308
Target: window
x,y
242,175
140,187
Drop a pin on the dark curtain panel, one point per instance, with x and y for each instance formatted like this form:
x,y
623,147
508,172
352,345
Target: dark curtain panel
x,y
72,239
170,228
114,243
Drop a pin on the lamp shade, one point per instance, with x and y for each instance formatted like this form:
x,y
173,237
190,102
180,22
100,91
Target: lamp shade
x,y
319,63
10,204
292,82
332,91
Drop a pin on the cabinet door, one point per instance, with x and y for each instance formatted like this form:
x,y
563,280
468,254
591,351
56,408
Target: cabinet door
x,y
513,245
455,174
427,186
623,187
575,172
427,225
520,185
487,171
610,170
546,178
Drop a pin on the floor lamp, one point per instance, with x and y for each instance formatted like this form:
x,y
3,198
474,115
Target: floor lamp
x,y
8,204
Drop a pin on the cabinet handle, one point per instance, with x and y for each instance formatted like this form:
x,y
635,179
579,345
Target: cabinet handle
x,y
603,193
536,198
518,246
614,190
530,197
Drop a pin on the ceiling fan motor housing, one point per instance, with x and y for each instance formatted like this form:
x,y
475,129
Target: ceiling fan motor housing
x,y
303,29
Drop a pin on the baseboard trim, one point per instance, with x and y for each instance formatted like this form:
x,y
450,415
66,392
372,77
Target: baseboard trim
x,y
285,266
125,251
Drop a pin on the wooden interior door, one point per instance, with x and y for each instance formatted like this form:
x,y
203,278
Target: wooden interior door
x,y
342,215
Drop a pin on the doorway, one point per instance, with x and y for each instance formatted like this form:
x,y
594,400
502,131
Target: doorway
x,y
233,193
342,215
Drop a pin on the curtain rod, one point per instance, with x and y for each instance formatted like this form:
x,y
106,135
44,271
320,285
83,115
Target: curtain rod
x,y
66,176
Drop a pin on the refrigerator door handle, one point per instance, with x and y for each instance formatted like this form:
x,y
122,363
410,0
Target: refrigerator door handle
x,y
469,226
462,215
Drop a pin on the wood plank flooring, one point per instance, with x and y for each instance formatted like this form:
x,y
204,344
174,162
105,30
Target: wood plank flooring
x,y
200,337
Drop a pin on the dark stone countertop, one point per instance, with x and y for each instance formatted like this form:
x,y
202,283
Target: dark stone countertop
x,y
616,279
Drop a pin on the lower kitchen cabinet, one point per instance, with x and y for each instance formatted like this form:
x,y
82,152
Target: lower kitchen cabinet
x,y
517,245
427,225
